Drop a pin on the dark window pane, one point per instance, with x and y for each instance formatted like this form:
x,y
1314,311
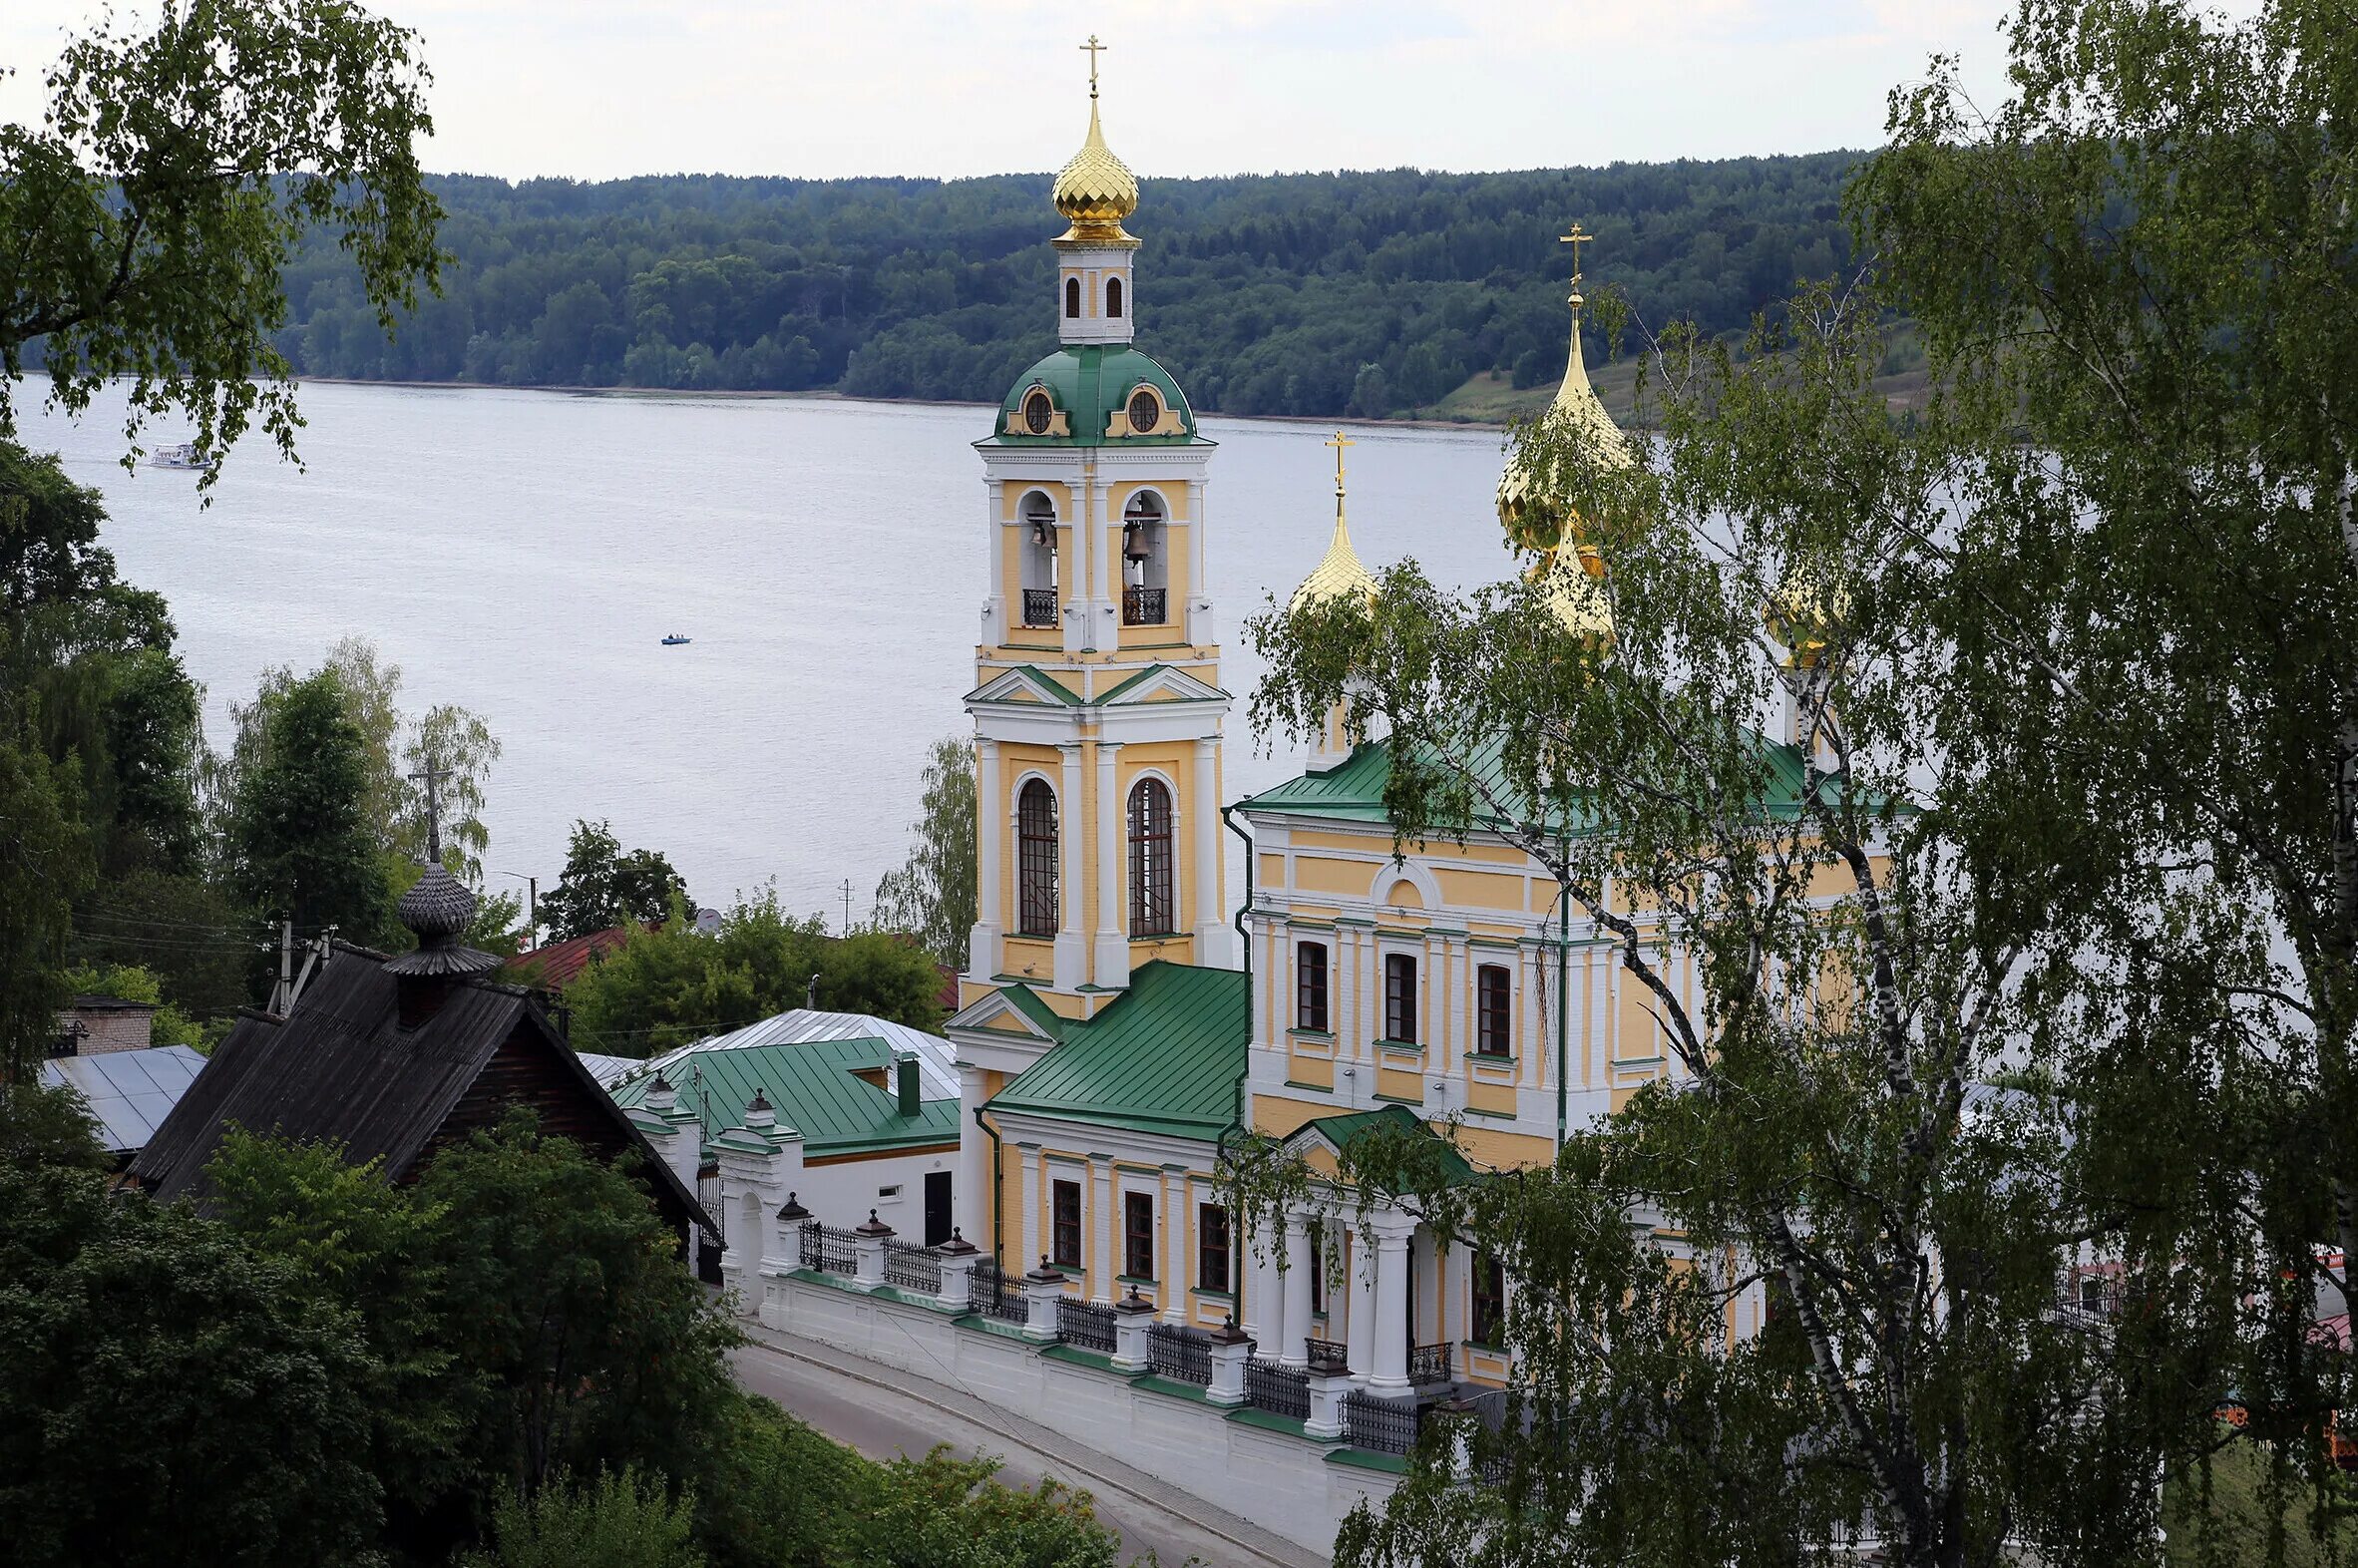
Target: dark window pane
x,y
1492,991
1138,1235
1072,298
1036,856
1153,897
1211,1249
1489,1300
1065,1244
1310,986
1399,998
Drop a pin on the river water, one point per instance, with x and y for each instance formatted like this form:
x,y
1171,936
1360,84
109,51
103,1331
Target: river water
x,y
524,553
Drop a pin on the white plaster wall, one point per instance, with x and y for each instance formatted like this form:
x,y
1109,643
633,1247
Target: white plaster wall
x,y
1280,1482
842,1195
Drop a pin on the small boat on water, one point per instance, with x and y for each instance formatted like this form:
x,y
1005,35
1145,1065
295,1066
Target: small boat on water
x,y
674,641
184,455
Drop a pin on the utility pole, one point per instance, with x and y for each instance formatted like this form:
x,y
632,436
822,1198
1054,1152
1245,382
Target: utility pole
x,y
531,910
282,995
847,905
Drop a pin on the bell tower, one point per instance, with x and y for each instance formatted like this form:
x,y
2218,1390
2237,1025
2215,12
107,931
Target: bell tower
x,y
1097,704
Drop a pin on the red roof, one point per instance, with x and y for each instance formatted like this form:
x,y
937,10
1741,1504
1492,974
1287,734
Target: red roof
x,y
559,964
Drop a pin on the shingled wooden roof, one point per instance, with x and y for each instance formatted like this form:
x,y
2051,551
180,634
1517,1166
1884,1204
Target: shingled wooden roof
x,y
341,1068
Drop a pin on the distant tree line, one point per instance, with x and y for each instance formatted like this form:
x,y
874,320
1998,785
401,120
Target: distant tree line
x,y
1309,294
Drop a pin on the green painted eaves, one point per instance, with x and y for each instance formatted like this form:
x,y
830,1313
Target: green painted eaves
x,y
1163,1057
1344,1131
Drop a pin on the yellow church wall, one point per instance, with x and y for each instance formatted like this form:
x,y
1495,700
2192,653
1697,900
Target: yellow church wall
x,y
1490,1147
1466,890
1030,958
1012,494
1403,1084
1489,1097
1312,875
1279,1116
1309,1068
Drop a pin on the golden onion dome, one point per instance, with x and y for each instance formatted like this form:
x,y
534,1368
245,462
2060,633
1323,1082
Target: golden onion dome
x,y
1534,510
1340,574
1095,190
1571,588
1804,615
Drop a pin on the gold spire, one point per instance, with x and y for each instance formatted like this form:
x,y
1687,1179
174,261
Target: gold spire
x,y
1805,616
1533,513
1095,190
1340,576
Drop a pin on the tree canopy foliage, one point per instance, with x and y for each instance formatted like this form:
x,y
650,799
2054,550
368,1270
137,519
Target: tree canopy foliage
x,y
932,897
1309,294
177,169
605,886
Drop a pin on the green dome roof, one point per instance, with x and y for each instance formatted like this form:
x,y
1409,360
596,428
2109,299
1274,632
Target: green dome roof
x,y
1089,384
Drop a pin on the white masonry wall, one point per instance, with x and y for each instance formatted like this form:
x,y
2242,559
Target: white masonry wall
x,y
1275,1480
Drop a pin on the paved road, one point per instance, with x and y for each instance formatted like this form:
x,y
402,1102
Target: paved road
x,y
884,1414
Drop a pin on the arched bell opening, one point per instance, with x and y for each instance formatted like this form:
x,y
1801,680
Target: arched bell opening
x,y
1039,551
1145,561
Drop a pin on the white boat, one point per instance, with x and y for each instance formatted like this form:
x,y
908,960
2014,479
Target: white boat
x,y
183,455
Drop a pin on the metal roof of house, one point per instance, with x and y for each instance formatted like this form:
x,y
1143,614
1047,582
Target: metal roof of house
x,y
816,1089
1348,1128
936,1058
610,1070
1164,1056
126,1093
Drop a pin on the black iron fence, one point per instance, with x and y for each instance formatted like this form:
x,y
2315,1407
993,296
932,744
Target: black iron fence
x,y
828,1249
998,1293
1428,1364
1143,607
1379,1425
910,1267
1278,1389
1040,606
1329,1355
1179,1353
1085,1324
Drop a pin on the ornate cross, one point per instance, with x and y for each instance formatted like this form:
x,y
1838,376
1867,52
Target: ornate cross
x,y
1338,443
1576,238
432,775
1095,48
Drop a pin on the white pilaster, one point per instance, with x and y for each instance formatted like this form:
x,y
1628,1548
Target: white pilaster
x,y
1071,952
983,959
994,606
1107,1263
1029,1254
1211,920
1300,1262
1263,1311
1178,1216
971,1199
1200,630
1111,967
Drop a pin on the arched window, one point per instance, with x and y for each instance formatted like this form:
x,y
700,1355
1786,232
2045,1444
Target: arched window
x,y
1145,571
1035,859
1038,549
1072,298
1113,297
1153,906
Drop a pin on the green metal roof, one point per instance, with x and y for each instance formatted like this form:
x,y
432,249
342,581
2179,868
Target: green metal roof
x,y
1090,382
811,1084
1344,1131
1164,1056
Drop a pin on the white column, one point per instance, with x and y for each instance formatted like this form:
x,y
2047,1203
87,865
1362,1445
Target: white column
x,y
1200,632
1178,1214
971,1195
991,828
1071,856
1211,921
1359,1331
1300,1262
1390,1374
1264,1313
1112,961
1107,1262
1029,1254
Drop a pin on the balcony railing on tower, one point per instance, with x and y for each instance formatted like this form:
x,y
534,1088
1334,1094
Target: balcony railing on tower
x,y
1143,607
1040,606
1428,1364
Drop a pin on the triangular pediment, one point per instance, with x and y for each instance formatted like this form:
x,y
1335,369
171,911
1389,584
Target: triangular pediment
x,y
996,1013
1027,685
1161,684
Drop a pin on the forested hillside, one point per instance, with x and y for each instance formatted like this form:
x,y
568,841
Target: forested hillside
x,y
1313,294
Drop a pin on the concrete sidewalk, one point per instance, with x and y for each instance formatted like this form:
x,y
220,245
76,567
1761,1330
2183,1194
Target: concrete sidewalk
x,y
881,1411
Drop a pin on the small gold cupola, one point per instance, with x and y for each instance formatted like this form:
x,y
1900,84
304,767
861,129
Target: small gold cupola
x,y
1533,506
1095,190
1340,574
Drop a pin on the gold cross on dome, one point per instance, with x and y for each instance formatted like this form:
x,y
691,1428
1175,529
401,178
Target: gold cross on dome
x,y
1576,238
1095,49
1338,443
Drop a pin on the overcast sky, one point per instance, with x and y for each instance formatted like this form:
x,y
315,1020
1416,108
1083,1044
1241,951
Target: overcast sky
x,y
599,88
